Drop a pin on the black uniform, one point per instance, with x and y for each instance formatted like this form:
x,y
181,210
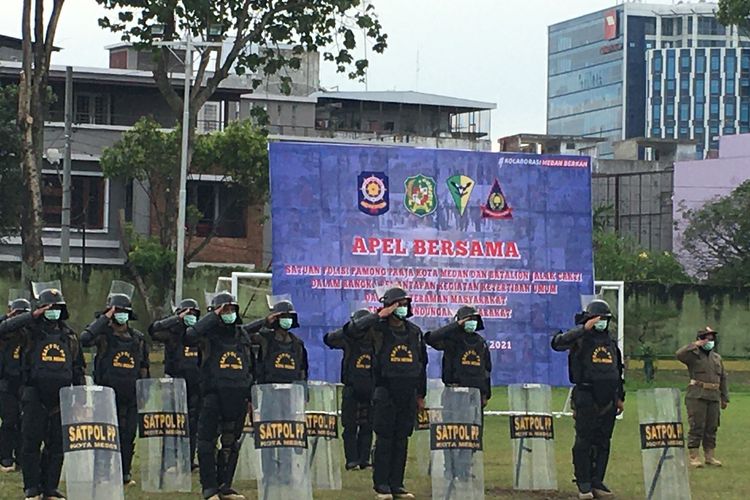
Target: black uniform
x,y
226,376
595,367
466,363
181,361
357,377
400,371
121,359
51,358
10,397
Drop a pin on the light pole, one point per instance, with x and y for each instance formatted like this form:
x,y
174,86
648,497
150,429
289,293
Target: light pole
x,y
188,44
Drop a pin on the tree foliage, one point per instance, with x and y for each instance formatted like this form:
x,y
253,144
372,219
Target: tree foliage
x,y
717,237
734,12
10,162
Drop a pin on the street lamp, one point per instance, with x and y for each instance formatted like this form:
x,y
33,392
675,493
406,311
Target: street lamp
x,y
158,31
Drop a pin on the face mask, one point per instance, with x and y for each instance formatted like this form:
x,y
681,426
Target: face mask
x,y
601,325
52,314
190,319
285,323
471,326
401,312
709,345
121,318
229,318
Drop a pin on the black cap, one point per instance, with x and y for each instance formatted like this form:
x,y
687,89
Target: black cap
x,y
286,309
221,299
20,305
53,297
122,302
599,307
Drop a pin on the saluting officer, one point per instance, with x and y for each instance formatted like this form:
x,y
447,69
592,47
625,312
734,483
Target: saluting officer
x,y
122,357
400,373
182,360
466,363
226,377
10,389
356,375
706,395
595,367
51,359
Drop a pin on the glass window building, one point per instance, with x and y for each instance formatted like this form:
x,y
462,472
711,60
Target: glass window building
x,y
648,70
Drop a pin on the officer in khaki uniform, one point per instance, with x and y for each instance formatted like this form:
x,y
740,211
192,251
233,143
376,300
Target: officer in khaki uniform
x,y
706,394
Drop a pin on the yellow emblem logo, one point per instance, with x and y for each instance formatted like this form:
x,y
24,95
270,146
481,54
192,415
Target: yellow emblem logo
x,y
17,352
284,361
53,353
190,352
230,361
401,354
364,362
471,358
601,355
123,359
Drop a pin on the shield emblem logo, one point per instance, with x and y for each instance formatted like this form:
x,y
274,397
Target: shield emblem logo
x,y
373,193
420,196
460,187
497,205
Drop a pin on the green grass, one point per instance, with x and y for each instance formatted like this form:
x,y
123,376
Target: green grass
x,y
625,475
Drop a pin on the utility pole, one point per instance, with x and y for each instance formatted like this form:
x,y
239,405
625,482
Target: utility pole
x,y
189,45
65,222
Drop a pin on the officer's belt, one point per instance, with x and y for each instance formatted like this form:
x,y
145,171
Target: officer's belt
x,y
705,385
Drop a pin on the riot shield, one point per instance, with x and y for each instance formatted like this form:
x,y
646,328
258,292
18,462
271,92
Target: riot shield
x,y
420,441
665,472
118,287
456,446
248,463
533,436
17,293
164,442
281,436
91,443
324,445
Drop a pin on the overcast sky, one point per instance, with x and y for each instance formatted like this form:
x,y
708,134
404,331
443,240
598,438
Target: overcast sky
x,y
487,50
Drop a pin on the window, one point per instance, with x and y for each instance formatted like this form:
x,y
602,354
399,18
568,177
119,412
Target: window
x,y
700,63
667,26
209,118
715,85
86,201
670,111
684,111
745,61
684,86
730,64
221,210
657,86
729,131
657,63
745,112
92,108
710,26
715,61
729,85
670,65
699,111
690,25
714,108
685,63
656,113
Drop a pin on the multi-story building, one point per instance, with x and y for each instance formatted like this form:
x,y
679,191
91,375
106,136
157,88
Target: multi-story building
x,y
608,75
108,101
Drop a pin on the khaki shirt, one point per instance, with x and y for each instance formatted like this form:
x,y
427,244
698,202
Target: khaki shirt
x,y
705,367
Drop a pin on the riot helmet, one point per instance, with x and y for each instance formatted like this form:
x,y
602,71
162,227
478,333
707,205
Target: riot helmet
x,y
53,297
465,312
599,307
188,304
389,295
21,305
282,306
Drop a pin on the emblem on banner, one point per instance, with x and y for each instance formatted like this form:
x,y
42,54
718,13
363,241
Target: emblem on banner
x,y
497,206
460,187
420,196
373,193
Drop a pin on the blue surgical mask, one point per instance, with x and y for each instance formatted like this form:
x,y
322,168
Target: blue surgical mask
x,y
471,326
52,314
401,312
229,318
285,323
121,318
709,345
190,319
601,325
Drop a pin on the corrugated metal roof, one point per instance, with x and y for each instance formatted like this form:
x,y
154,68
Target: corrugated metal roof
x,y
407,97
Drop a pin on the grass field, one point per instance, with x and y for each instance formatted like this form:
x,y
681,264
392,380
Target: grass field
x,y
625,475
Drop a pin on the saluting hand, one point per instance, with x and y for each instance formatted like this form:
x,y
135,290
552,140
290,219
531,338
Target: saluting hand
x,y
589,325
387,311
110,313
420,404
39,311
701,342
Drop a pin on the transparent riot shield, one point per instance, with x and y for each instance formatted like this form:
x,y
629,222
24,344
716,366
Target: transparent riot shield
x,y
248,464
533,436
281,436
324,445
17,293
91,443
665,472
456,446
420,441
164,442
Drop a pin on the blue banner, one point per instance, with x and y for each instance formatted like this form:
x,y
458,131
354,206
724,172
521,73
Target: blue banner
x,y
507,233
